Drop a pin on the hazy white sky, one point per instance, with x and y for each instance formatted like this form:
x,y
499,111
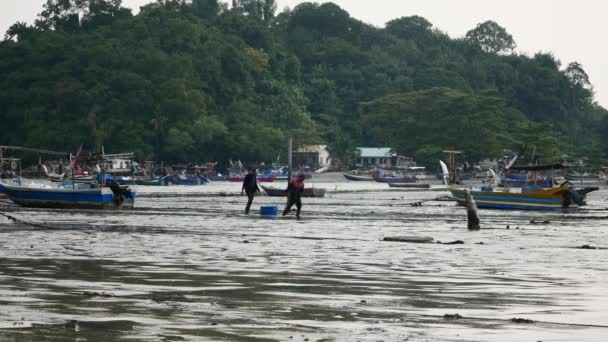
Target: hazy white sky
x,y
573,31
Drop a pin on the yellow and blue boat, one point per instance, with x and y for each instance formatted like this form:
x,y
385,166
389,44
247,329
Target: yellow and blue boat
x,y
556,198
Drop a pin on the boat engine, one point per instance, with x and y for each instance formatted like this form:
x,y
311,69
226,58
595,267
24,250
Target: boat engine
x,y
119,192
573,196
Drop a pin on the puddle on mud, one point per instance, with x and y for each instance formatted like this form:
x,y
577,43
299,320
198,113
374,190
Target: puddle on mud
x,y
187,265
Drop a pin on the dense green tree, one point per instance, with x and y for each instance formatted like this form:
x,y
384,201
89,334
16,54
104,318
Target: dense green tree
x,y
492,38
195,80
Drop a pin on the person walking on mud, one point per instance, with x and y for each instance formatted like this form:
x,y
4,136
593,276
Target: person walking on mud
x,y
294,192
250,187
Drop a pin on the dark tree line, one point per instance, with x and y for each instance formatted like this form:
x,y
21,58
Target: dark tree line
x,y
208,80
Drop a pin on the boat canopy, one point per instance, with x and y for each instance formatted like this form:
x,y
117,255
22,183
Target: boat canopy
x,y
543,167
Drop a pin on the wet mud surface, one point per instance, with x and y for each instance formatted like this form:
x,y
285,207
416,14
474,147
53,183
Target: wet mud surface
x,y
187,265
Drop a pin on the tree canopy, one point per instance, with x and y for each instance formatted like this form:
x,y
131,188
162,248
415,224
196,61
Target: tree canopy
x,y
211,80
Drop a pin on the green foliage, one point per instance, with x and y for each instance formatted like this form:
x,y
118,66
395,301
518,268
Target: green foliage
x,y
492,38
195,80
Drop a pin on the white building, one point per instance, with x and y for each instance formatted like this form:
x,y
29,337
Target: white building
x,y
313,156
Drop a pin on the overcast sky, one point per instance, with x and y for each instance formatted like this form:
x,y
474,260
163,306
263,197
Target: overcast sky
x,y
573,31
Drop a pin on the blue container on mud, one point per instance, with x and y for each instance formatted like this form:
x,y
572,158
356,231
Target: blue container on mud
x,y
269,210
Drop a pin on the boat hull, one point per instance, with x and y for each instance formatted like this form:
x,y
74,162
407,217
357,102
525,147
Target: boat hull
x,y
395,180
308,192
410,185
358,178
543,200
97,198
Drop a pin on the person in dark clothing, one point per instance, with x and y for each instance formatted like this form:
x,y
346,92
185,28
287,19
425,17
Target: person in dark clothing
x,y
250,187
294,191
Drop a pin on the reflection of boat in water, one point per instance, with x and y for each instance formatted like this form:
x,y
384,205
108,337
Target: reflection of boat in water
x,y
358,178
308,192
71,196
527,199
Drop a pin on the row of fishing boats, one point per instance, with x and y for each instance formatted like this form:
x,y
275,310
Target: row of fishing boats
x,y
527,193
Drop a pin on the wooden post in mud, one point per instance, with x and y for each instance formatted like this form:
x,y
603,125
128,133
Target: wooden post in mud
x,y
472,217
289,162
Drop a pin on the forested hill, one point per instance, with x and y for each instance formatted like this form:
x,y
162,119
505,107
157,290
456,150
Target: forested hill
x,y
202,80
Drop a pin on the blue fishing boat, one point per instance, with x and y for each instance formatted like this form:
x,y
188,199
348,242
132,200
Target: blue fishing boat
x,y
83,196
525,198
2,194
557,198
186,180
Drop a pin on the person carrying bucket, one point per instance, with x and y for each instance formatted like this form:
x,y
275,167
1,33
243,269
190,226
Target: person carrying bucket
x,y
250,186
294,191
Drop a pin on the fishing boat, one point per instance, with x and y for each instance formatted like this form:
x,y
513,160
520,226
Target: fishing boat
x,y
358,178
396,179
266,178
585,178
182,179
308,192
556,198
146,181
83,196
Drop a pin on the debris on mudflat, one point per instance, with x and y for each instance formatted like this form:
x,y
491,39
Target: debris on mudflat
x,y
521,320
586,247
456,242
410,239
452,316
97,294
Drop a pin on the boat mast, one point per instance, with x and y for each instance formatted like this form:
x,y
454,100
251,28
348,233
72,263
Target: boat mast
x,y
289,161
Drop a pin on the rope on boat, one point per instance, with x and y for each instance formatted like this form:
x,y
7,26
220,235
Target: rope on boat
x,y
27,223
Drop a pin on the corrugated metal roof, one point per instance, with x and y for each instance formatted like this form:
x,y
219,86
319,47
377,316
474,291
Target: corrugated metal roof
x,y
376,152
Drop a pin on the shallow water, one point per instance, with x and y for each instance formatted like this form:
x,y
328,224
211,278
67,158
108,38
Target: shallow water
x,y
186,264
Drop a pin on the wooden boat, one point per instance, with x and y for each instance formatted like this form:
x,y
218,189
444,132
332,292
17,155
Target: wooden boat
x,y
266,178
403,179
308,192
410,185
556,198
144,181
358,178
186,180
585,178
81,196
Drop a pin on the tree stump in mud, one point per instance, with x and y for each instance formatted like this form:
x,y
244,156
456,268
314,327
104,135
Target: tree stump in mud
x,y
472,216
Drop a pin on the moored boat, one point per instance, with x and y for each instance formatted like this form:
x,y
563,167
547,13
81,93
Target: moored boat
x,y
394,180
556,198
80,196
145,181
308,192
358,178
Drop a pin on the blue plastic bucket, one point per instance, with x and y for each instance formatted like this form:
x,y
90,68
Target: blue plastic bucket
x,y
269,210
